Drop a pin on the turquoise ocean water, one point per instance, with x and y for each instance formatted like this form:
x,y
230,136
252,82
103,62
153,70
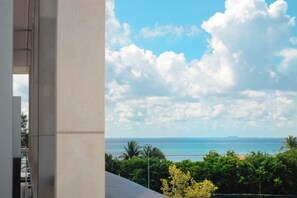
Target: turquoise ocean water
x,y
178,149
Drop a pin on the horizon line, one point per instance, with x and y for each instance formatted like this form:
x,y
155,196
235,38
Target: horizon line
x,y
192,137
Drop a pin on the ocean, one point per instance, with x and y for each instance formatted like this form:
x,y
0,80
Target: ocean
x,y
194,149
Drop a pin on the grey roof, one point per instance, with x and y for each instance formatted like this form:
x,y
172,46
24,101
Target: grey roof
x,y
119,187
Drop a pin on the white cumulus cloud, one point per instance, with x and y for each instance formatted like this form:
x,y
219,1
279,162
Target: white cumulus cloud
x,y
169,30
246,39
20,88
117,34
289,58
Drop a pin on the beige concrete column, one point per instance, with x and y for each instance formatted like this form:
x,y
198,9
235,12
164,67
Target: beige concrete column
x,y
80,99
67,99
6,49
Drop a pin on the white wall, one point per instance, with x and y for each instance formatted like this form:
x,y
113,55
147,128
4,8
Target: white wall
x,y
16,127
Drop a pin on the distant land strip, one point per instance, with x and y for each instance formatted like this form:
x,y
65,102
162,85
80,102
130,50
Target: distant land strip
x,y
186,155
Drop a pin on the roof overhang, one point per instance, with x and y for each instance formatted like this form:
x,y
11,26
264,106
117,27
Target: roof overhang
x,y
22,36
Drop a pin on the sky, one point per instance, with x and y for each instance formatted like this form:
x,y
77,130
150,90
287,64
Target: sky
x,y
196,68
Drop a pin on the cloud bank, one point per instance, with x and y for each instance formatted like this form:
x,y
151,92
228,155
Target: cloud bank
x,y
246,78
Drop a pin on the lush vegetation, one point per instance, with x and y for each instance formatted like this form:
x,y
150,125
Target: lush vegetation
x,y
256,173
135,169
24,130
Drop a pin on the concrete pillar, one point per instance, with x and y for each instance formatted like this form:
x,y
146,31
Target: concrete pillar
x,y
33,105
80,99
6,50
46,79
16,147
67,99
43,99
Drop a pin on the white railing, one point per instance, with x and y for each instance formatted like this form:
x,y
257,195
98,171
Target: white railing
x,y
26,191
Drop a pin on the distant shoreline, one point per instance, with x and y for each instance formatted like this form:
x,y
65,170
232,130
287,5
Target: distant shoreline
x,y
193,137
178,149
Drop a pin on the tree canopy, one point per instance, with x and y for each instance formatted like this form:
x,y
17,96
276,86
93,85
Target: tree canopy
x,y
24,130
150,151
290,142
132,150
256,173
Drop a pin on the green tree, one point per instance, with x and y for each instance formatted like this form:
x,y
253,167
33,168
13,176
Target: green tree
x,y
182,185
257,173
212,156
289,174
221,170
290,142
132,150
135,169
24,130
111,164
158,170
149,150
265,173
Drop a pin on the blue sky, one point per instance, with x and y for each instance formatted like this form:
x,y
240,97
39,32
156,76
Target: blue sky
x,y
196,68
142,13
187,13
